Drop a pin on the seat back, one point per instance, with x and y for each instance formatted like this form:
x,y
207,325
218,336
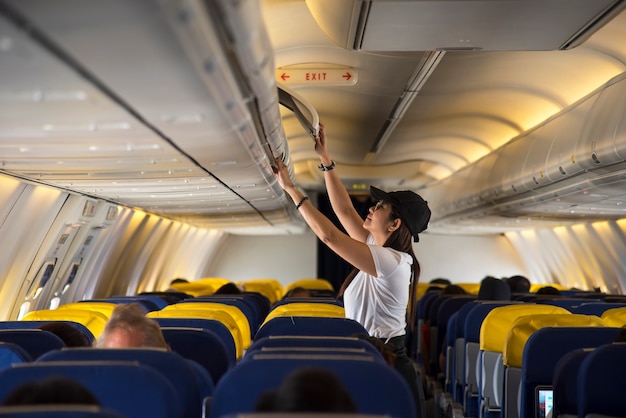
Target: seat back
x,y
493,333
36,324
272,289
212,325
446,309
312,344
248,304
565,383
94,321
615,317
128,388
201,345
386,392
238,318
310,325
57,411
601,382
595,308
534,345
223,317
171,365
306,309
34,341
11,354
148,303
472,326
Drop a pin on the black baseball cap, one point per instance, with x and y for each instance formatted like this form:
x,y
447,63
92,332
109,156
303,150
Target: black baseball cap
x,y
411,207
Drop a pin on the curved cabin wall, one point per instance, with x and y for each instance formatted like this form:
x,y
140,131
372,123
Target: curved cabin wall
x,y
586,256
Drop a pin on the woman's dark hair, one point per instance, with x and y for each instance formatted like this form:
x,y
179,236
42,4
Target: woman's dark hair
x,y
55,390
308,389
70,335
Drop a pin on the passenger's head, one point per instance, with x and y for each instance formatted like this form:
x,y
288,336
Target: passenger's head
x,y
128,327
298,292
312,389
70,335
54,390
453,289
518,284
493,289
407,206
549,290
441,281
179,280
229,288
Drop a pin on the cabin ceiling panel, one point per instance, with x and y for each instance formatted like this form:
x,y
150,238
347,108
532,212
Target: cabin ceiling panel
x,y
105,94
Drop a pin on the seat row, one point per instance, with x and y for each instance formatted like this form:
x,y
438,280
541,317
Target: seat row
x,y
375,386
501,355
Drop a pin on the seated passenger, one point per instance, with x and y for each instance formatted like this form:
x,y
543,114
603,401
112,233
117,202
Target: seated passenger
x,y
549,290
518,284
70,335
228,289
128,327
54,390
308,389
494,289
298,292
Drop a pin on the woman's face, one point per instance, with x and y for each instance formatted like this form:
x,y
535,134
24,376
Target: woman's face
x,y
380,219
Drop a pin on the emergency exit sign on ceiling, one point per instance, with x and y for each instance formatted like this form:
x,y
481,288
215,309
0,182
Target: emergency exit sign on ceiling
x,y
321,76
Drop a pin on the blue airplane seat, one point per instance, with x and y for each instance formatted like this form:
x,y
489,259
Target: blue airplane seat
x,y
200,345
473,322
36,324
57,411
128,388
601,382
12,354
595,308
565,383
322,345
567,303
212,325
459,350
35,342
446,308
171,365
543,350
385,392
148,304
310,325
246,307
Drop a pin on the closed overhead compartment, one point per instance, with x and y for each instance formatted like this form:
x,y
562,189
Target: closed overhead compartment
x,y
562,161
506,175
541,139
603,139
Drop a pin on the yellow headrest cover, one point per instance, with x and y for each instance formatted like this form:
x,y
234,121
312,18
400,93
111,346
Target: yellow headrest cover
x,y
497,323
615,317
525,326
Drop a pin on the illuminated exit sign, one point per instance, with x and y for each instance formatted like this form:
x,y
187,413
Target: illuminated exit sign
x,y
321,76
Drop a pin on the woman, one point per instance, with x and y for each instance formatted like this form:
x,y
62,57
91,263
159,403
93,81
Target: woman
x,y
378,291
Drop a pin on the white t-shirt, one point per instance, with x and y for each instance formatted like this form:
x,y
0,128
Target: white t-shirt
x,y
380,303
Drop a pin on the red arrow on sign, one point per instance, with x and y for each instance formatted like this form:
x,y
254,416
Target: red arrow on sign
x,y
347,76
284,76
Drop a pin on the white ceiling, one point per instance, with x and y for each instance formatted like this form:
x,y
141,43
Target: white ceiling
x,y
168,107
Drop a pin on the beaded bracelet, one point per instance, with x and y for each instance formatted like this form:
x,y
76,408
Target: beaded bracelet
x,y
323,167
304,199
